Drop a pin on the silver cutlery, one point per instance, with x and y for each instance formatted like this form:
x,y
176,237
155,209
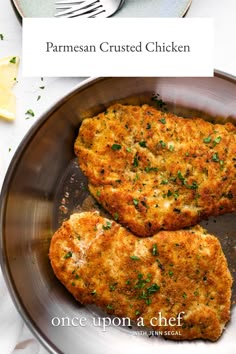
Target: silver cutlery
x,y
87,8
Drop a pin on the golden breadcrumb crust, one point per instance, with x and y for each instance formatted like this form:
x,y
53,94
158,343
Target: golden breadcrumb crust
x,y
102,263
152,170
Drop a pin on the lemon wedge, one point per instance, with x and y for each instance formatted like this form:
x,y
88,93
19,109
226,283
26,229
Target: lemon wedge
x,y
7,104
8,73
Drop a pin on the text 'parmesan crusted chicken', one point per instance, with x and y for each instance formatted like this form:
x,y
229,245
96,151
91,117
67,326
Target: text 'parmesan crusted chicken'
x,y
153,170
173,272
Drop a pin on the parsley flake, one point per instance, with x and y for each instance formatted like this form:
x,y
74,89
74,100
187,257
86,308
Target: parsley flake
x,y
215,157
107,226
135,162
116,147
135,258
116,216
153,289
68,255
142,143
217,140
162,120
154,250
30,112
162,143
207,140
13,60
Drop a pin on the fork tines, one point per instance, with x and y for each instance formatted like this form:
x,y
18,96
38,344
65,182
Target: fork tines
x,y
74,8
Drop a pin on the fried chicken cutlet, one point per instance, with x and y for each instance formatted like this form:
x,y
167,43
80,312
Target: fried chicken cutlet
x,y
152,170
175,273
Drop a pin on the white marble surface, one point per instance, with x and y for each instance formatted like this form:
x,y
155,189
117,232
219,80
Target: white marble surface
x,y
14,336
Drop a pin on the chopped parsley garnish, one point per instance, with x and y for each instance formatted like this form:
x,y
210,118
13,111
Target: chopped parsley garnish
x,y
30,112
13,60
207,140
215,157
135,258
116,147
154,250
145,292
158,101
162,120
113,286
68,255
137,312
38,98
149,169
109,307
135,201
153,289
141,281
176,195
164,181
194,185
107,226
217,140
180,176
229,195
128,149
42,87
135,162
148,126
162,143
184,295
116,216
159,264
171,147
169,193
171,273
1,36
142,143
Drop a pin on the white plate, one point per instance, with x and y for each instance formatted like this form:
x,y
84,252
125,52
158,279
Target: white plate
x,y
131,8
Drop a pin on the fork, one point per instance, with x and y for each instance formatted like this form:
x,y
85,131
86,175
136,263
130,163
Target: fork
x,y
87,8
